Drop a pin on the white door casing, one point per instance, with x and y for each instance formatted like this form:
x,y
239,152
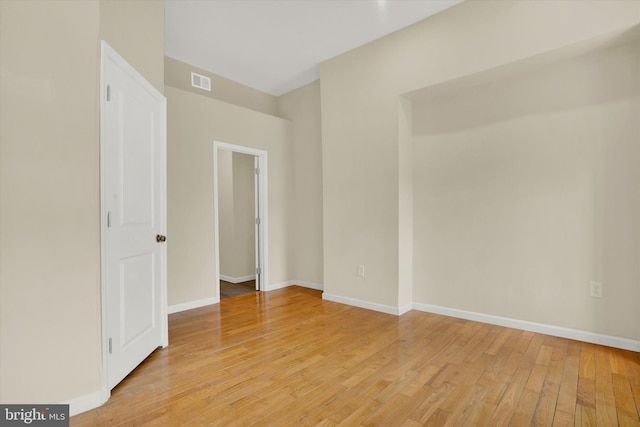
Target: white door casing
x,y
133,191
261,190
258,222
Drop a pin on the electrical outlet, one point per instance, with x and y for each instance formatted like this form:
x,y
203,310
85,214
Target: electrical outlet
x,y
360,270
595,289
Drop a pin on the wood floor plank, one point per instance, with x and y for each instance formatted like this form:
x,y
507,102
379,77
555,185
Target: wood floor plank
x,y
420,380
431,400
480,414
544,355
604,369
494,394
499,342
287,357
391,412
525,408
461,413
350,400
628,421
587,361
546,408
586,395
585,416
563,419
536,379
606,413
557,364
438,419
569,385
624,399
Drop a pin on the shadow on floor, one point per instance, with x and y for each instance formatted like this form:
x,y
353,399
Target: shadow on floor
x,y
230,290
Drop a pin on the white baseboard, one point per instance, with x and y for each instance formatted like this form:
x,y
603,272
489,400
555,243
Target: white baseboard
x,y
303,283
192,304
274,286
557,331
405,309
85,403
362,304
310,285
237,279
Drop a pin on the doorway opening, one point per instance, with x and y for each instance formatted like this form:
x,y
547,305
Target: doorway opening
x,y
229,267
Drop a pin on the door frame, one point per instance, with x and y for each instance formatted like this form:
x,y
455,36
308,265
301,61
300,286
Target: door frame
x,y
107,53
262,246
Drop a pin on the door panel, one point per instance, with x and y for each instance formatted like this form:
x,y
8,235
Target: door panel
x,y
134,145
137,121
137,295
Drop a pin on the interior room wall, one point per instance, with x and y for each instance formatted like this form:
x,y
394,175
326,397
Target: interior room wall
x,y
527,189
194,122
359,92
302,108
49,221
50,310
135,29
236,215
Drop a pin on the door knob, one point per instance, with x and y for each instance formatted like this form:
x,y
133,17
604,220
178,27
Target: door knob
x,y
160,238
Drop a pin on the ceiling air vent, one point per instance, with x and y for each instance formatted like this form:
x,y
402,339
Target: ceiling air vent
x,y
201,82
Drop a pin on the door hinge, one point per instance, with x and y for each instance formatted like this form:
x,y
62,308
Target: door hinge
x,y
257,171
108,93
108,219
110,345
258,271
258,221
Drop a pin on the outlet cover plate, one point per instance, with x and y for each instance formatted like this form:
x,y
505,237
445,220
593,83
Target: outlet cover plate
x,y
595,289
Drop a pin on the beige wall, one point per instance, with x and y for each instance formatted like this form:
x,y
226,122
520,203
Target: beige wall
x,y
50,186
302,107
178,75
49,220
362,179
236,214
194,123
527,188
135,29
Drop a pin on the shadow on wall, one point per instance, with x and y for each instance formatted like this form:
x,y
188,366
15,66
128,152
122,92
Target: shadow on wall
x,y
532,87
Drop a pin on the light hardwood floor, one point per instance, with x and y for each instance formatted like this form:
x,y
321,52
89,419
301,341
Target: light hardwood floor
x,y
288,358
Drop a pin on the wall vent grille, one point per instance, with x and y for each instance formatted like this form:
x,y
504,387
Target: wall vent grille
x,y
201,82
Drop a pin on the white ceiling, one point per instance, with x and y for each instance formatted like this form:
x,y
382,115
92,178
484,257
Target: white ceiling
x,y
277,45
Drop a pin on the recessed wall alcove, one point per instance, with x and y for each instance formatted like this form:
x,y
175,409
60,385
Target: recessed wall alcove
x,y
526,187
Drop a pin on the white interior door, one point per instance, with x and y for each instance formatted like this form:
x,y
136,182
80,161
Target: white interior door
x,y
133,126
256,166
